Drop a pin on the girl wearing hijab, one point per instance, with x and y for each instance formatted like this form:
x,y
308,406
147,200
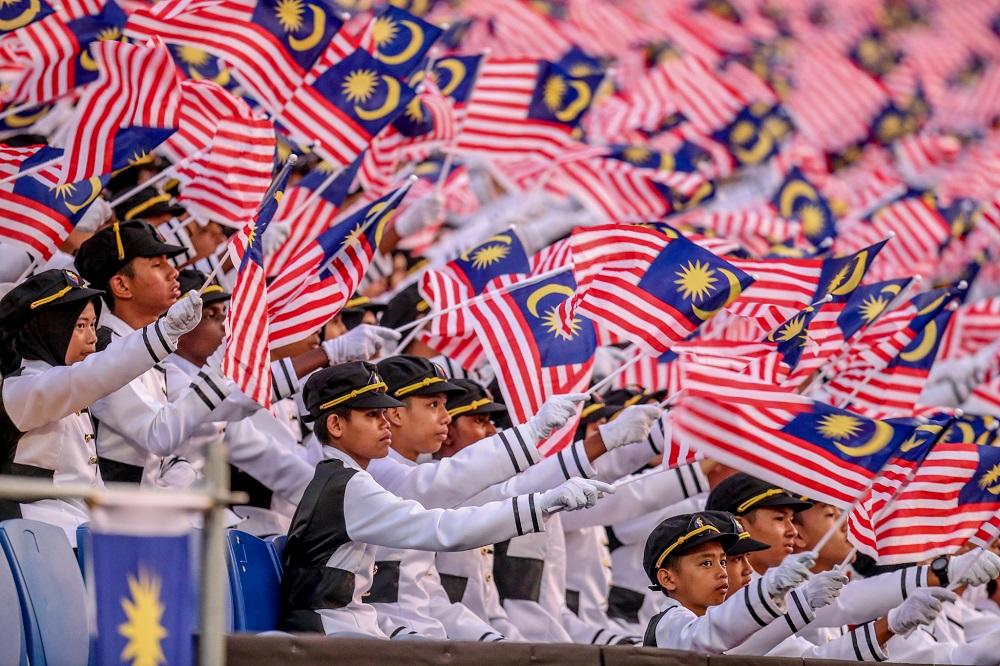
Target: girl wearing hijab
x,y
52,373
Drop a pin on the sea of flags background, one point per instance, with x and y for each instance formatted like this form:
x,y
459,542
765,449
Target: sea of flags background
x,y
795,205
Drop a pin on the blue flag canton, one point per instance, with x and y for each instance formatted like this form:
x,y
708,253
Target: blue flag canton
x,y
366,226
304,29
105,26
875,54
24,118
255,241
416,119
972,428
561,98
337,191
364,89
559,342
71,200
791,336
143,594
798,199
16,14
984,486
915,448
578,62
867,303
456,76
685,159
501,255
402,40
854,439
199,65
922,350
755,133
840,276
133,144
693,281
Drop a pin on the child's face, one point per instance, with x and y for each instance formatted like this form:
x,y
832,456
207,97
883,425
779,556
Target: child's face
x,y
699,578
773,526
739,570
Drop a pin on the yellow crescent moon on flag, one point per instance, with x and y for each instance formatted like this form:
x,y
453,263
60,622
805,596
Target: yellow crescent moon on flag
x,y
86,61
22,19
878,441
933,305
576,107
793,191
927,343
734,292
542,292
985,437
416,42
856,276
95,190
456,68
319,27
391,102
667,162
893,289
221,79
23,121
500,238
756,153
968,434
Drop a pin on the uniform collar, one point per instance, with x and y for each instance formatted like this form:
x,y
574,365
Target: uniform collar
x,y
182,364
330,453
398,457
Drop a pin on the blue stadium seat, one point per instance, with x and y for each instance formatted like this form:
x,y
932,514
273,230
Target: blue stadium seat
x,y
256,586
13,651
84,544
50,591
276,544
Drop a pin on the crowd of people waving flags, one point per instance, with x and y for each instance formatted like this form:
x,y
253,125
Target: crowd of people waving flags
x,y
658,322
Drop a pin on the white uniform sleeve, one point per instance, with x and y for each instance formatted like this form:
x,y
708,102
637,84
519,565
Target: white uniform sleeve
x,y
375,516
549,473
253,449
32,401
452,481
638,495
857,645
871,598
921,647
156,427
722,627
623,461
778,634
284,382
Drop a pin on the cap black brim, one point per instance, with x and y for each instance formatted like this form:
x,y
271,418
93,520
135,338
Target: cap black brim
x,y
605,412
216,297
154,248
747,545
793,503
488,408
374,401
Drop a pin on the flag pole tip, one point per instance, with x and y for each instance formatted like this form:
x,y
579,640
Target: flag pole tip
x,y
890,235
293,159
754,277
959,413
412,178
828,298
993,426
963,284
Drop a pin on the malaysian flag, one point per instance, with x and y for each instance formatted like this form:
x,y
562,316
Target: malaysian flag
x,y
345,107
138,89
314,201
204,104
401,40
227,183
247,360
974,327
536,352
323,276
20,13
822,452
655,302
270,44
525,107
57,57
798,199
37,217
953,497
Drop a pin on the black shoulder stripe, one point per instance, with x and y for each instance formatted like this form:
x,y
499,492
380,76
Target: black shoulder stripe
x,y
510,451
396,631
753,613
576,459
763,599
798,605
684,488
596,636
857,648
159,334
902,580
288,378
211,384
483,637
697,481
791,625
524,447
649,440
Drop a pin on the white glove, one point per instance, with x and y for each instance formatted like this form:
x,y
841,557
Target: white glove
x,y
632,425
976,567
358,344
99,212
792,572
182,316
823,588
553,414
606,360
574,494
920,608
421,214
274,236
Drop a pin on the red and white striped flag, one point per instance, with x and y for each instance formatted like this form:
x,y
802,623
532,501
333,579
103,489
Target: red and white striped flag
x,y
137,86
203,106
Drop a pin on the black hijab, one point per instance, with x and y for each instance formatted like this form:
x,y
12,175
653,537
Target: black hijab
x,y
46,333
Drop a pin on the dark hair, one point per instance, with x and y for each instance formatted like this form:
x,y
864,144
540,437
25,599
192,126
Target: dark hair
x,y
991,588
319,427
128,270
